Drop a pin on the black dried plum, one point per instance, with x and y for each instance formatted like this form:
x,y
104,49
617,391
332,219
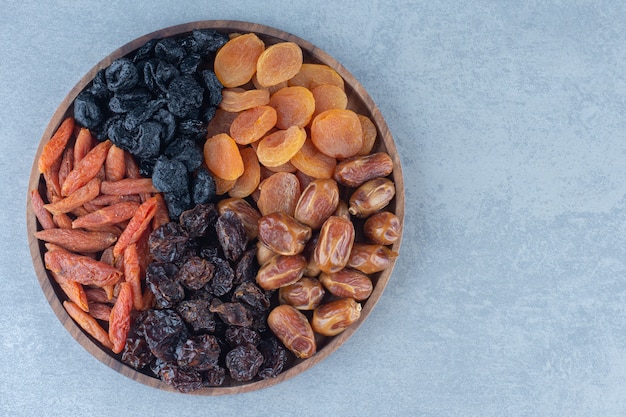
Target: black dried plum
x,y
121,75
208,40
223,276
200,352
236,335
184,96
120,136
275,357
213,88
195,273
168,243
169,175
196,313
168,121
148,140
140,114
136,353
203,188
98,86
169,50
145,51
87,111
190,64
209,113
192,129
163,331
177,201
186,151
167,292
164,74
231,234
123,102
233,314
199,220
244,362
146,166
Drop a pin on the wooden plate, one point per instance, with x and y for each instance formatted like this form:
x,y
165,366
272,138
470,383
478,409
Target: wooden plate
x,y
359,101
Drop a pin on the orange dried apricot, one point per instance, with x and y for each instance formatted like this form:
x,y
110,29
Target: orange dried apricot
x,y
328,96
249,180
294,106
235,62
222,157
237,100
310,161
279,147
369,134
337,133
278,63
251,124
312,75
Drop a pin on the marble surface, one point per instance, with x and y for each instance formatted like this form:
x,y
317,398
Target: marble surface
x,y
509,298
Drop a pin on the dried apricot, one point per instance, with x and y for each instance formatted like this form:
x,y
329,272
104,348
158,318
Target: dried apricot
x,y
279,147
312,75
278,63
249,180
369,134
294,106
237,100
250,125
328,96
235,62
279,193
337,133
222,157
310,161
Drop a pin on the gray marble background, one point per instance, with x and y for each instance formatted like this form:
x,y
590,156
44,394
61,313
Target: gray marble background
x,y
509,297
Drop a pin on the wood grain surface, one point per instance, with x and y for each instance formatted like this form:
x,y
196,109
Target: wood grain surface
x,y
358,100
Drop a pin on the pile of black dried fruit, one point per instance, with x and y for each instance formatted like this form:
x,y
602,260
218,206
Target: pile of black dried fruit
x,y
156,103
209,324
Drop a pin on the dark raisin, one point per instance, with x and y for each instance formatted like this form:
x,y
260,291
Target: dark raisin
x,y
247,267
253,296
244,362
168,243
195,273
136,353
275,357
199,220
184,380
215,376
199,352
234,314
169,175
203,187
213,88
121,75
177,201
236,336
163,331
167,292
231,234
196,313
223,276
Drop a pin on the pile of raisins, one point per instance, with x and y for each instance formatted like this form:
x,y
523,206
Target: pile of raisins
x,y
155,103
210,317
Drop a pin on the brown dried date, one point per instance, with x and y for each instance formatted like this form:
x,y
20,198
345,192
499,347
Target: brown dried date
x,y
263,253
370,258
244,210
353,172
334,245
293,329
348,283
305,294
382,228
371,197
283,234
281,270
317,202
334,317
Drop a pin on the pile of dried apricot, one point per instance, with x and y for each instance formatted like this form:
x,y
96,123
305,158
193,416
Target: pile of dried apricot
x,y
280,250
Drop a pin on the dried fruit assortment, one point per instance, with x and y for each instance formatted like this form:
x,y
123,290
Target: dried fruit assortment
x,y
212,210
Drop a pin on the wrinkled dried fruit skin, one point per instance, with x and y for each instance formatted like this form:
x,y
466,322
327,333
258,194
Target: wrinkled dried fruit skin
x,y
382,228
337,133
275,357
161,281
369,134
279,193
195,273
119,321
237,336
248,182
305,294
353,172
199,352
252,124
334,317
314,75
231,234
371,197
163,330
237,100
82,269
292,328
348,283
234,314
199,220
281,270
136,353
370,259
196,313
294,106
248,214
327,97
243,362
283,234
77,240
235,62
334,245
169,242
310,161
278,63
317,202
278,148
